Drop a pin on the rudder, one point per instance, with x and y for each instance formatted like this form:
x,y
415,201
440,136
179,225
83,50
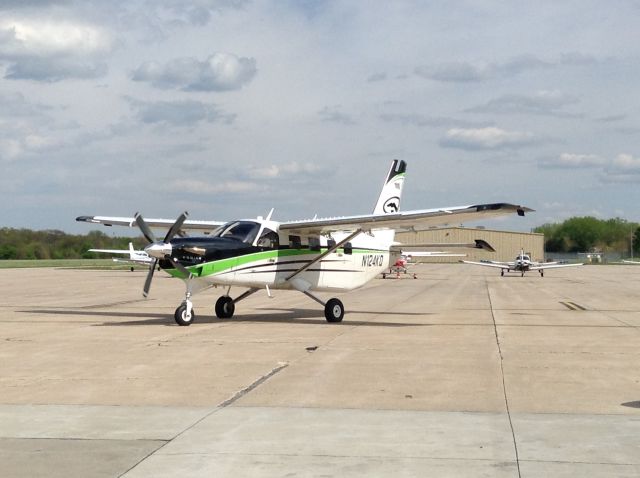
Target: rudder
x,y
389,199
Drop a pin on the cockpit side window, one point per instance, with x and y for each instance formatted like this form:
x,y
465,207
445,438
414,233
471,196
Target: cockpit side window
x,y
268,239
245,231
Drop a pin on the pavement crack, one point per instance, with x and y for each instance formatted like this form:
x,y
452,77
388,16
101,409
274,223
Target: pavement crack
x,y
504,385
241,393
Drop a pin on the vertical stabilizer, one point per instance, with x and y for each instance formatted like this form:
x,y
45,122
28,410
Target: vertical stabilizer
x,y
389,200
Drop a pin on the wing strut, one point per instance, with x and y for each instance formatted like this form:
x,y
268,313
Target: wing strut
x,y
324,254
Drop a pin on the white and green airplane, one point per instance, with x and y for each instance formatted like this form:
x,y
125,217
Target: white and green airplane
x,y
317,255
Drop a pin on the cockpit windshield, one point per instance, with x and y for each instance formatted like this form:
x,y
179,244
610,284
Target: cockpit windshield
x,y
245,231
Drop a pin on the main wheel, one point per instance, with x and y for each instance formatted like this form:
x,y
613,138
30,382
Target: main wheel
x,y
334,310
541,273
180,315
225,307
501,272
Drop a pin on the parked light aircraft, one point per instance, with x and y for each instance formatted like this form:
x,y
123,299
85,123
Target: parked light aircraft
x,y
331,255
136,257
522,264
401,259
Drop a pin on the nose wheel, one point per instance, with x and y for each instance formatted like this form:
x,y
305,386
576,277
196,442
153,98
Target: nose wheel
x,y
184,314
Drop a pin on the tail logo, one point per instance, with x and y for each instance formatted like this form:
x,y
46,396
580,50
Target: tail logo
x,y
391,205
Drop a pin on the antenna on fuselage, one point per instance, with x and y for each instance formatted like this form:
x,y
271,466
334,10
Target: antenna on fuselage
x,y
269,215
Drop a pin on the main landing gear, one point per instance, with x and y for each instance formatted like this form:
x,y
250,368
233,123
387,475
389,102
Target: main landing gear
x,y
225,307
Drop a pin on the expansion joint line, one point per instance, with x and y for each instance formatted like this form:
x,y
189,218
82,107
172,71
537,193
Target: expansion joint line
x,y
504,385
224,404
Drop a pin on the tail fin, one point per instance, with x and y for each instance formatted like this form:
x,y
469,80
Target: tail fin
x,y
389,200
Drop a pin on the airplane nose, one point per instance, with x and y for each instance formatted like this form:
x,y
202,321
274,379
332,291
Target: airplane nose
x,y
158,250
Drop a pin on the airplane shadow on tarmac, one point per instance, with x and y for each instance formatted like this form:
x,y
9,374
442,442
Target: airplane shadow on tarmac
x,y
287,316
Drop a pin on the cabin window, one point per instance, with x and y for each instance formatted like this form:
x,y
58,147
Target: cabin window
x,y
245,231
268,239
348,248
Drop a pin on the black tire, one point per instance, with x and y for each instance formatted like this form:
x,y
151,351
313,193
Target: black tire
x,y
501,272
225,307
334,310
541,273
180,315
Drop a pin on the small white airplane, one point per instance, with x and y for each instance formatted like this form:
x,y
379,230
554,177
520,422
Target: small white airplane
x,y
522,264
326,255
136,257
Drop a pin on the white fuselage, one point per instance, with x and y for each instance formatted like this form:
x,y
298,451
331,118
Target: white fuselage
x,y
344,269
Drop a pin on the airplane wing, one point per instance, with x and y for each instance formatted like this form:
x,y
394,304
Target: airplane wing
x,y
188,225
624,261
476,244
112,251
431,254
408,220
541,266
496,265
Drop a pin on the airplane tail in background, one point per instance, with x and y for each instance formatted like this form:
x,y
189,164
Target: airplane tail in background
x,y
389,200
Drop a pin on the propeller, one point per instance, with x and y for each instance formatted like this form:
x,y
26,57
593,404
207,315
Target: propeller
x,y
160,250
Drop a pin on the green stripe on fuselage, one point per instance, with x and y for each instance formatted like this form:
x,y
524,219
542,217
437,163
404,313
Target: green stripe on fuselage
x,y
226,265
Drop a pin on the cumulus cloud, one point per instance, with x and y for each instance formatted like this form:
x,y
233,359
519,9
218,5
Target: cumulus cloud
x,y
214,187
545,103
23,143
178,113
625,163
624,168
194,12
15,105
490,138
422,121
282,171
219,72
48,51
464,71
572,161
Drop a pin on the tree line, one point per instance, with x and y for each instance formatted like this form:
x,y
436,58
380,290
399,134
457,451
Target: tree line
x,y
577,234
54,244
588,234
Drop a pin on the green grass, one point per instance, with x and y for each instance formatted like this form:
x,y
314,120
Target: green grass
x,y
66,263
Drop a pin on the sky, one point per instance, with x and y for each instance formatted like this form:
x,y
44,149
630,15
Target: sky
x,y
228,108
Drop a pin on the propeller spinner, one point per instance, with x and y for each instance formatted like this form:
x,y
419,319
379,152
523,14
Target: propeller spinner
x,y
160,250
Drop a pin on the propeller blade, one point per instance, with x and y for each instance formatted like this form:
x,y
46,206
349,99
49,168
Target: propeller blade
x,y
147,282
176,226
180,267
144,228
195,284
